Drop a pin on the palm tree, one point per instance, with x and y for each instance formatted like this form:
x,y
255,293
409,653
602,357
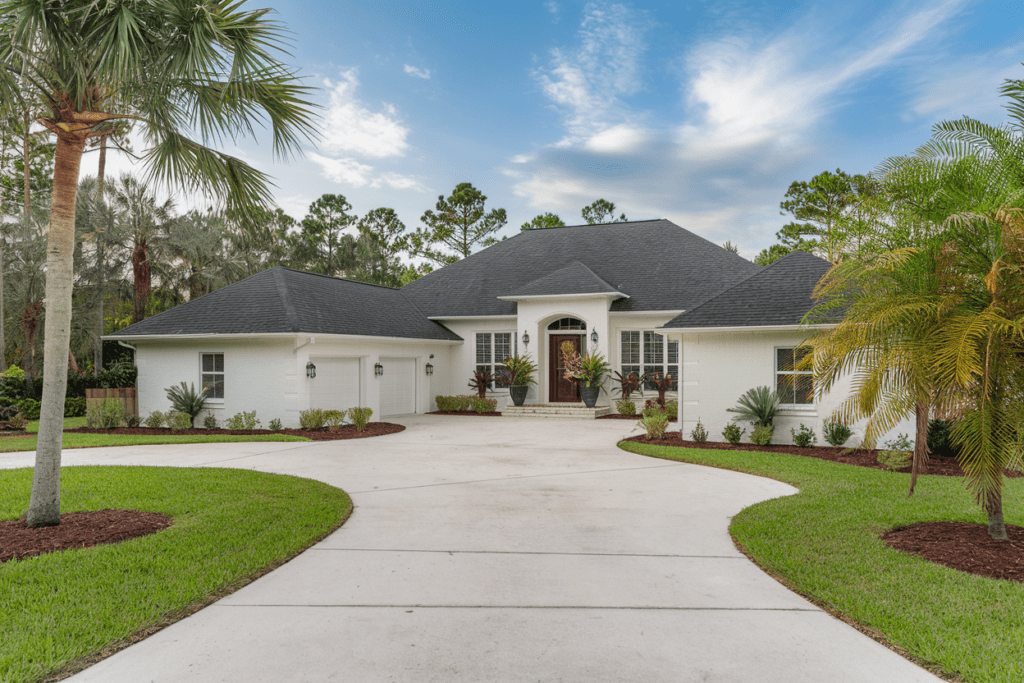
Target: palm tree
x,y
171,67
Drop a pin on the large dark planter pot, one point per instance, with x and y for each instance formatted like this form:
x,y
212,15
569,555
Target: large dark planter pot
x,y
589,395
518,393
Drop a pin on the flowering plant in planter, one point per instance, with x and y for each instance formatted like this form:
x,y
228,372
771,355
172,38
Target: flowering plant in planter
x,y
519,370
588,370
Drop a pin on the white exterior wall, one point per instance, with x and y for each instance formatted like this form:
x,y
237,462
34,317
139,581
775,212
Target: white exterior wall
x,y
719,367
463,357
632,321
268,374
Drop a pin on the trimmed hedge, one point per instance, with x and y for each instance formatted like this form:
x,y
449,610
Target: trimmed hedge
x,y
14,389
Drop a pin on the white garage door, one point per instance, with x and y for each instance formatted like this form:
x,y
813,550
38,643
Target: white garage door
x,y
336,385
398,386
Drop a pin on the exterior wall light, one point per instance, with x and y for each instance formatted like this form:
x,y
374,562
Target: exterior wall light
x,y
378,369
593,336
526,337
310,370
430,369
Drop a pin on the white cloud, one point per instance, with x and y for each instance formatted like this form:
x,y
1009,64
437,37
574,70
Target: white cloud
x,y
968,87
349,127
352,173
417,72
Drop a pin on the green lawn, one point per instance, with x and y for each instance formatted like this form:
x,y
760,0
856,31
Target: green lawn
x,y
824,543
28,443
230,526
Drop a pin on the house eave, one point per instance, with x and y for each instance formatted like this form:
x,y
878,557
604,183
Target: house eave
x,y
278,335
749,328
594,295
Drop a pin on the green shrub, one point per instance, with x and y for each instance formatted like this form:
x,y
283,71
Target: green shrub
x,y
313,418
107,414
758,406
733,433
334,419
625,407
894,460
804,437
652,408
179,421
360,416
698,434
74,406
672,409
483,405
453,404
210,421
29,407
655,425
15,372
155,420
940,441
184,399
836,433
243,420
132,421
762,435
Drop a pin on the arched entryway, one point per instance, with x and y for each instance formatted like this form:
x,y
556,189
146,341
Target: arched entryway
x,y
561,330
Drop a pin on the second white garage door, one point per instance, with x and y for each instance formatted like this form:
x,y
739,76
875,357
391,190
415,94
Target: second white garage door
x,y
398,386
336,385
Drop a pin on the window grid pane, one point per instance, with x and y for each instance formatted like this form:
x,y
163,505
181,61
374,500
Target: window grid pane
x,y
673,352
483,347
631,347
654,349
796,387
502,346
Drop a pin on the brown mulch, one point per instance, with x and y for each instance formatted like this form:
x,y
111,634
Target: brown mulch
x,y
464,412
345,432
861,457
634,418
77,530
963,546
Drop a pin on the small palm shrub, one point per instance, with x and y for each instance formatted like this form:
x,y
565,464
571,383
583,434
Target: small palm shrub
x,y
484,405
179,421
359,417
625,407
698,434
733,433
313,418
243,420
107,414
804,437
628,384
519,370
155,420
481,382
758,406
184,399
897,453
275,425
762,435
334,419
210,421
836,433
655,425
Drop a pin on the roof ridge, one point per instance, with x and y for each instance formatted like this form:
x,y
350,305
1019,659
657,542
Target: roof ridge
x,y
591,271
592,225
334,277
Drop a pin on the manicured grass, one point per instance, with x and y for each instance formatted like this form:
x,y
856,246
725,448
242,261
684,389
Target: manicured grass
x,y
824,543
229,527
69,423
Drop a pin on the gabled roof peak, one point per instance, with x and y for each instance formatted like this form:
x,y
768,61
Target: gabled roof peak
x,y
575,278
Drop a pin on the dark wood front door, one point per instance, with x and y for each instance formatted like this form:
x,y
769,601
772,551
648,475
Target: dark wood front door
x,y
560,389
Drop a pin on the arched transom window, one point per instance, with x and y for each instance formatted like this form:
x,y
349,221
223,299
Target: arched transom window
x,y
568,324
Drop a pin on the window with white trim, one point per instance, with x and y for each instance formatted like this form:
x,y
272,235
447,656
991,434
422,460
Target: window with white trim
x,y
492,348
795,386
649,353
212,376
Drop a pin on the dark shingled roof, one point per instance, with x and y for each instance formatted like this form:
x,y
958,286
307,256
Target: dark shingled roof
x,y
286,300
575,278
657,264
778,295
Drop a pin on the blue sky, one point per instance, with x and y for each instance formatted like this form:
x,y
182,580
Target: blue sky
x,y
699,112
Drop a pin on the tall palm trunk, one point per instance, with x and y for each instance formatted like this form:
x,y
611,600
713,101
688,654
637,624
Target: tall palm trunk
x,y
994,508
143,278
100,237
44,505
922,411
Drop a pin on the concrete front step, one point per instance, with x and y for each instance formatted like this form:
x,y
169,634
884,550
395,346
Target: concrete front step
x,y
557,411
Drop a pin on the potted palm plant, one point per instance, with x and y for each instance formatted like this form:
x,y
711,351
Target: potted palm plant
x,y
588,370
518,374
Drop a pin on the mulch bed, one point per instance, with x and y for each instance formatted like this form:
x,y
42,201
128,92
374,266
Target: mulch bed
x,y
346,432
464,412
861,457
634,418
963,546
77,530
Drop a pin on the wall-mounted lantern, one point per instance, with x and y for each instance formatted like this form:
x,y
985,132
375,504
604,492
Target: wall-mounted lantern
x,y
378,369
593,336
430,369
310,370
526,337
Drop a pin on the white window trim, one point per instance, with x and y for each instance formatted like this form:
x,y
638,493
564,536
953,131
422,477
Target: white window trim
x,y
495,363
223,373
793,408
665,341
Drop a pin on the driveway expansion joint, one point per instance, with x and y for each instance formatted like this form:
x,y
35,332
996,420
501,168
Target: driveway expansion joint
x,y
618,608
525,552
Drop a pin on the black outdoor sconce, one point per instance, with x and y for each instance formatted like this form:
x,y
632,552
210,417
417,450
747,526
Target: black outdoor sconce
x,y
378,369
310,370
526,337
593,336
430,369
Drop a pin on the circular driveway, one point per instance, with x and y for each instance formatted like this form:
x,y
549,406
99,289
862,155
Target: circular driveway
x,y
494,549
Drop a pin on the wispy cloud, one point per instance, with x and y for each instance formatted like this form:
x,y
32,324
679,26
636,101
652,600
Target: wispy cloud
x,y
349,126
347,171
417,72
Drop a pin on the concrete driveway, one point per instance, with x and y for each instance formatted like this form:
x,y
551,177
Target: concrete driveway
x,y
491,549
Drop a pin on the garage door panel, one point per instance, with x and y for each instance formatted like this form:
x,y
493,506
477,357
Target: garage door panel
x,y
336,385
398,386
